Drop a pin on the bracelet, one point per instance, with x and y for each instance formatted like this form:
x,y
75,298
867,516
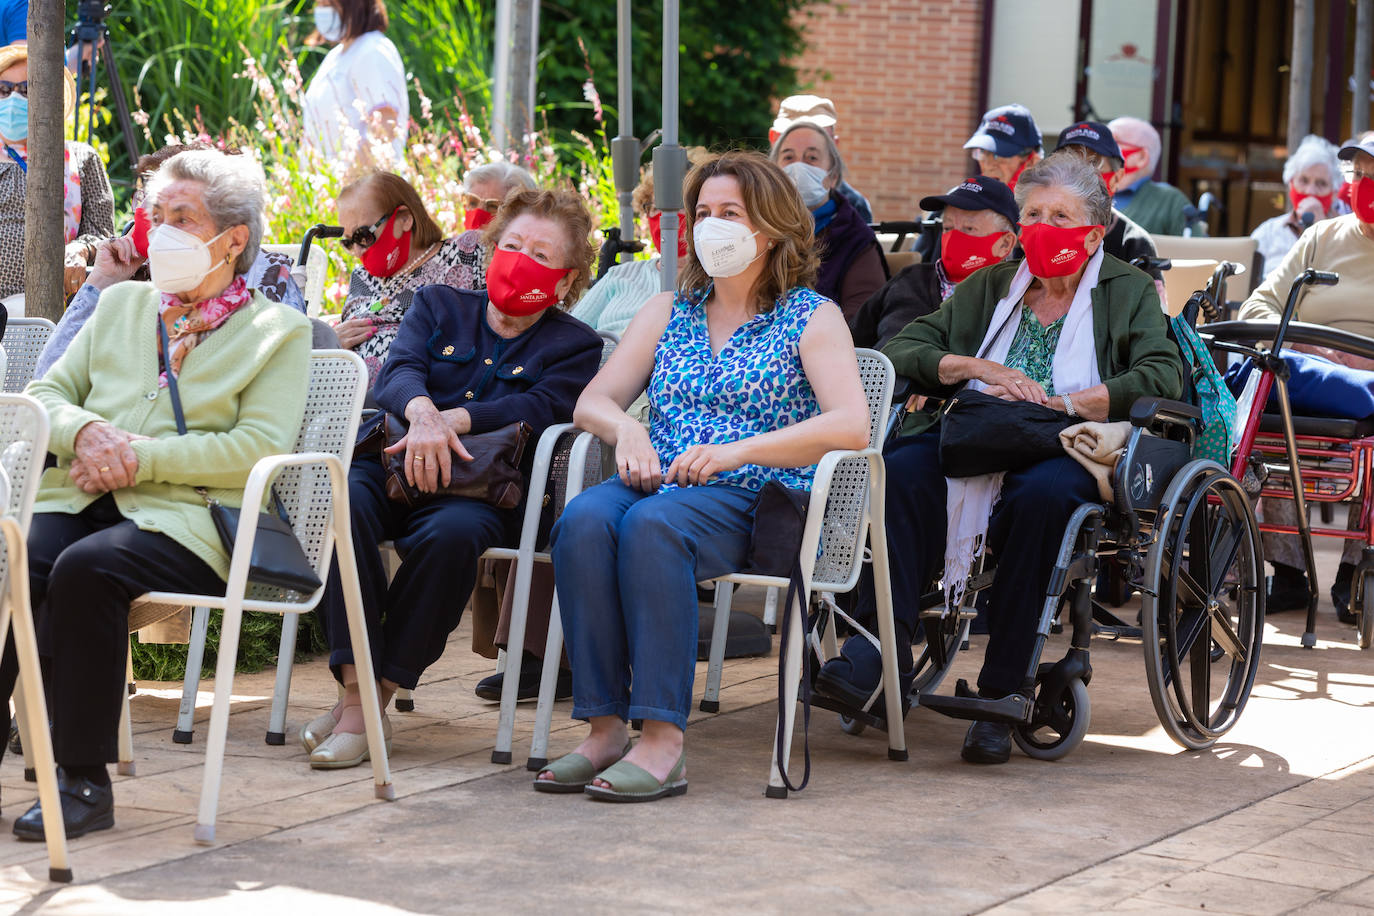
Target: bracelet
x,y
1068,406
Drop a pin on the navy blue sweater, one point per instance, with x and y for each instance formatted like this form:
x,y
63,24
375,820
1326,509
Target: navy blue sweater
x,y
445,350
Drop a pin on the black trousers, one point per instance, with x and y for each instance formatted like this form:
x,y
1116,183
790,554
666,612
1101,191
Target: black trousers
x,y
84,571
1024,532
409,619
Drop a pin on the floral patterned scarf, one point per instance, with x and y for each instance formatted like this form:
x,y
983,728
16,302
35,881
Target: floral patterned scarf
x,y
188,325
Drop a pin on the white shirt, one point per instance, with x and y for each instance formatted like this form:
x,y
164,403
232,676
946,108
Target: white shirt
x,y
353,82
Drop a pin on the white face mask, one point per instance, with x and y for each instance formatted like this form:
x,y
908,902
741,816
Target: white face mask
x,y
328,23
724,247
177,260
810,181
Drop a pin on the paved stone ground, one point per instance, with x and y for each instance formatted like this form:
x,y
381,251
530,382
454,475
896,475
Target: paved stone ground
x,y
1275,819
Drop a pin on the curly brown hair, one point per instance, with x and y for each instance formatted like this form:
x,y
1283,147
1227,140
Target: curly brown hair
x,y
777,212
565,208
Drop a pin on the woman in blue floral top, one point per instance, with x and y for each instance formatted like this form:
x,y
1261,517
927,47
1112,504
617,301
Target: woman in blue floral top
x,y
751,377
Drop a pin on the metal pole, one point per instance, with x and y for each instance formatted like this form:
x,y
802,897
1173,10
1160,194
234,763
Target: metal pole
x,y
500,74
43,241
1300,74
670,159
524,54
1364,45
625,146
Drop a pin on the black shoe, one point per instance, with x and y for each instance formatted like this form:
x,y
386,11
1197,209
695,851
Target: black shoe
x,y
85,807
531,669
1288,590
987,742
1341,590
853,675
16,747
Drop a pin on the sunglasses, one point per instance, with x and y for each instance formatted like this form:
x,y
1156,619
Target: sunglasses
x,y
473,202
6,87
365,237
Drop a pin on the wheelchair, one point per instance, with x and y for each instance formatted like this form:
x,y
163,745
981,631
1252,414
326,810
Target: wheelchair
x,y
1184,531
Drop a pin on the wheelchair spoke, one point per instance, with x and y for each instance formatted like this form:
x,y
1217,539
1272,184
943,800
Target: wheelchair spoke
x,y
1200,657
1225,634
1223,557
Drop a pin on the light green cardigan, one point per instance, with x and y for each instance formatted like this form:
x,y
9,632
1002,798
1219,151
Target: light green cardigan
x,y
242,389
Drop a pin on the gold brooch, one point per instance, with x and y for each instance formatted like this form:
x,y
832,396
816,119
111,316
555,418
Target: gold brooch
x,y
448,351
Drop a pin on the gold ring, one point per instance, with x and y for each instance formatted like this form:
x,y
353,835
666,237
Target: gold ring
x,y
104,469
419,459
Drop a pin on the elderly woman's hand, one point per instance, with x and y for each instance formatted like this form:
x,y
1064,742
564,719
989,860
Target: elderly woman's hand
x,y
354,331
1011,384
105,459
636,460
116,260
429,446
699,463
73,268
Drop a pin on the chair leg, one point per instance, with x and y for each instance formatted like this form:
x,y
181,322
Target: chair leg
x,y
125,766
791,685
281,689
405,700
190,682
770,610
720,630
30,774
515,641
230,624
548,690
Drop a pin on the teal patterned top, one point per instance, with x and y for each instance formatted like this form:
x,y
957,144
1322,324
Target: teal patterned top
x,y
1032,349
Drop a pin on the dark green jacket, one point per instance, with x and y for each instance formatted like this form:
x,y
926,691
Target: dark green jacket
x,y
1135,358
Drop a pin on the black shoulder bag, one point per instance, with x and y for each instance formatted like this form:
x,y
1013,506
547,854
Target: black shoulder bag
x,y
278,560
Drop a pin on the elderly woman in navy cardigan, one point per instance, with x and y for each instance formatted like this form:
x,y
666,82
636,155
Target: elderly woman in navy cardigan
x,y
463,362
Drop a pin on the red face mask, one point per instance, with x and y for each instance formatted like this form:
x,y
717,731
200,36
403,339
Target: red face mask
x,y
1055,251
519,285
656,233
476,218
386,256
1129,175
1107,180
1011,182
1362,199
140,232
962,254
1298,197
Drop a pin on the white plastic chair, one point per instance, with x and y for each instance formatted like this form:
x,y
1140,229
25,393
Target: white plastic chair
x,y
24,340
846,510
23,445
316,270
313,485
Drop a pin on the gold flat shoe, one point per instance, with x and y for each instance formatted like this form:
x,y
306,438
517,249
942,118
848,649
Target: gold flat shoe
x,y
316,730
342,750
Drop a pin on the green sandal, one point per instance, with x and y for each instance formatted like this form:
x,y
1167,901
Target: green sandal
x,y
571,773
631,783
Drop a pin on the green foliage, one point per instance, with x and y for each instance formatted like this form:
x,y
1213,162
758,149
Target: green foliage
x,y
259,640
447,44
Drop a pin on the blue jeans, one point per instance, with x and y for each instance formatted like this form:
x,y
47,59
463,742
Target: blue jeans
x,y
626,566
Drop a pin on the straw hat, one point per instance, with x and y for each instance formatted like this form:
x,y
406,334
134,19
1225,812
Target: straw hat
x,y
18,53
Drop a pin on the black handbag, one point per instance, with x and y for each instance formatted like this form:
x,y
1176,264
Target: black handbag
x,y
983,434
278,560
779,521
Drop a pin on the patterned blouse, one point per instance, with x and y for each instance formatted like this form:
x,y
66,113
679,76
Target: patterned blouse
x,y
459,262
1032,349
755,385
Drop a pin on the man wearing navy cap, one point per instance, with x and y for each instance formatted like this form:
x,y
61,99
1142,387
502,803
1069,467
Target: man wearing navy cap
x,y
1006,143
1093,142
980,218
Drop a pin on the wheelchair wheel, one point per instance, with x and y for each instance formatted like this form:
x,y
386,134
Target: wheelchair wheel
x,y
1364,610
1203,614
943,638
1056,731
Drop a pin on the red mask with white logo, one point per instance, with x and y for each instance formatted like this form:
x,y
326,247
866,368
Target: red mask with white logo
x,y
476,218
519,285
1055,251
1298,197
1362,199
656,233
386,256
961,253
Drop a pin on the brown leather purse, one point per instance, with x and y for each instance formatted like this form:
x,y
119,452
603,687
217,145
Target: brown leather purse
x,y
493,475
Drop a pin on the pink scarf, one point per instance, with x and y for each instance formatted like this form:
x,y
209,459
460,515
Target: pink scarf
x,y
188,325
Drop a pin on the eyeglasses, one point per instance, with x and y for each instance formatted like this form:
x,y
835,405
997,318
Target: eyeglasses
x,y
6,87
365,236
473,202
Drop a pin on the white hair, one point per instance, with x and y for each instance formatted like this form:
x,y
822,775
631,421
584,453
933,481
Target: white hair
x,y
234,193
1138,133
1313,150
1073,174
508,174
836,170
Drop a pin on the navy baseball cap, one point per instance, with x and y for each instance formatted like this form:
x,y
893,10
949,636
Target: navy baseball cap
x,y
1093,135
977,193
1353,146
1006,131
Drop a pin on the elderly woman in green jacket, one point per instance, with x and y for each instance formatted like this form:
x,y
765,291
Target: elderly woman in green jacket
x,y
1069,327
120,514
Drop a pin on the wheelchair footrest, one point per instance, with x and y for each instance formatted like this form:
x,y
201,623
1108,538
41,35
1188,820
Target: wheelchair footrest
x,y
875,718
1013,710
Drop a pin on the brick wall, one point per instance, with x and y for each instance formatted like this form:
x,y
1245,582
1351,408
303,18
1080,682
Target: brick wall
x,y
903,75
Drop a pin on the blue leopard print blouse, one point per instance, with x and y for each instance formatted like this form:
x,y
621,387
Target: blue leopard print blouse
x,y
755,385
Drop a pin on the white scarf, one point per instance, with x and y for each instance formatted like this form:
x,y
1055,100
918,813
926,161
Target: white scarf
x,y
970,500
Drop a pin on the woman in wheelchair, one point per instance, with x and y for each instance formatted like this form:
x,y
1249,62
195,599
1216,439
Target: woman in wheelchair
x,y
1069,327
751,378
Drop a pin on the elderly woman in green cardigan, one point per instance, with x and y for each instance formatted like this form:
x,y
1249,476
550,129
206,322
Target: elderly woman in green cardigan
x,y
1069,327
119,515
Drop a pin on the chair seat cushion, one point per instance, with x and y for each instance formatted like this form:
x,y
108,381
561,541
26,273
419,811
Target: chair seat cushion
x,y
1330,427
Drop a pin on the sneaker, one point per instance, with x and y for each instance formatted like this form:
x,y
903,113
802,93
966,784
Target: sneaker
x,y
1288,590
1341,591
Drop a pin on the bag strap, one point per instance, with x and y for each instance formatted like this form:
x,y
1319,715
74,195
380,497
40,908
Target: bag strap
x,y
794,593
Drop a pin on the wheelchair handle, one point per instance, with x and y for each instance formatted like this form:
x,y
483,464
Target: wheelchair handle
x,y
1149,262
317,231
1320,277
1309,277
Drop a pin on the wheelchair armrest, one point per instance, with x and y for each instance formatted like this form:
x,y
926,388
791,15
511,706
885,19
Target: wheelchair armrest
x,y
1147,411
902,388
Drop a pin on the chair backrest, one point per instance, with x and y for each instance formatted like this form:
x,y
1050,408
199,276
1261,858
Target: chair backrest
x,y
608,345
844,529
23,447
896,260
316,270
23,342
1185,278
1241,249
593,471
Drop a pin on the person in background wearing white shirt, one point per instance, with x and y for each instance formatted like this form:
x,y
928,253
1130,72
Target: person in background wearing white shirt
x,y
357,102
1312,176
